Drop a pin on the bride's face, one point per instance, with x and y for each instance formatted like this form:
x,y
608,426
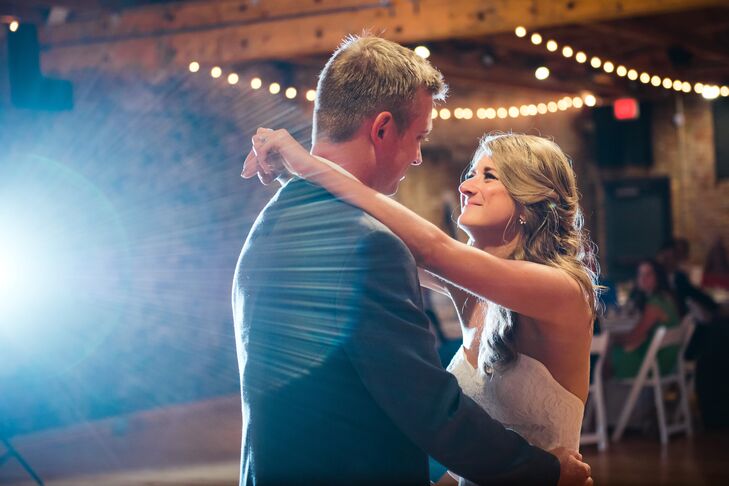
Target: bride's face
x,y
487,208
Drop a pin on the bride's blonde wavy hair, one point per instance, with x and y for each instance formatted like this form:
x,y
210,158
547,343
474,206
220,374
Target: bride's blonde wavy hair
x,y
539,177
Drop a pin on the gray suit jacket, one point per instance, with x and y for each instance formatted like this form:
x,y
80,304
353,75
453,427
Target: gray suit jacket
x,y
340,379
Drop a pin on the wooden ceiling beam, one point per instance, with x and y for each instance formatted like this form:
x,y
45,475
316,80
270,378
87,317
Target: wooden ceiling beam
x,y
233,31
661,39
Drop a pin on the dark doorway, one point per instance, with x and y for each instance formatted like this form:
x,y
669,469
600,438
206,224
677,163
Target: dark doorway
x,y
637,223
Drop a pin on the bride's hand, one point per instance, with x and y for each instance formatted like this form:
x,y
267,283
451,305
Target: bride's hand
x,y
276,153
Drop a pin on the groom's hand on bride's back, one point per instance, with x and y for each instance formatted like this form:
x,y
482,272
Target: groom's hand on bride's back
x,y
572,471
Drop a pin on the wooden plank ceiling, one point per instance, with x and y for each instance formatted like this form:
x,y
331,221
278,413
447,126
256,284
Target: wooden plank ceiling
x,y
471,40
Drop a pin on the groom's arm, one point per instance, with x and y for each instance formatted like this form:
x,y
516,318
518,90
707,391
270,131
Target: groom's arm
x,y
394,353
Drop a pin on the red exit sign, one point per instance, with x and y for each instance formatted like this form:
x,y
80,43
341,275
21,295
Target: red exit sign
x,y
626,109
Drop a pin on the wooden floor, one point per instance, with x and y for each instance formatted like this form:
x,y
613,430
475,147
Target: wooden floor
x,y
199,444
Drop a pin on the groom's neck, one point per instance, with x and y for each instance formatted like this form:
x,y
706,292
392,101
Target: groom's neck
x,y
355,156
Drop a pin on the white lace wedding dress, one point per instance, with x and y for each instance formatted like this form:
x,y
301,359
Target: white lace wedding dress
x,y
526,398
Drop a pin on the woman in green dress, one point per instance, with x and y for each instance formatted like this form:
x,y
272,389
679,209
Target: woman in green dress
x,y
653,299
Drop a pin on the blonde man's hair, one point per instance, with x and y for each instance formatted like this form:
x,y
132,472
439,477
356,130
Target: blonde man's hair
x,y
539,177
368,75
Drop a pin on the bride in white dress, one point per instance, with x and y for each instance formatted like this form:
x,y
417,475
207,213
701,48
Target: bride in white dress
x,y
523,285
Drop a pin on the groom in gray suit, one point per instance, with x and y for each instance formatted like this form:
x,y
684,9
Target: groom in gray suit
x,y
340,379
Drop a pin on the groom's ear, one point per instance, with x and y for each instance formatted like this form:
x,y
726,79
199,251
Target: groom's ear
x,y
381,126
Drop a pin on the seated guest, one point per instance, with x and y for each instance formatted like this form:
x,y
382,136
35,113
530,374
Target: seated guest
x,y
716,268
652,298
671,256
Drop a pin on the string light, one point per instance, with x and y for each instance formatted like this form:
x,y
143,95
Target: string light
x,y
422,51
13,26
541,73
623,71
711,92
525,110
255,83
459,113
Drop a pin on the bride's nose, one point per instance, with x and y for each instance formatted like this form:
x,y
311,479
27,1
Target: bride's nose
x,y
465,188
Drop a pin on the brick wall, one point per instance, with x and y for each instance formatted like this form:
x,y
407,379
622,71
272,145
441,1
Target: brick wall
x,y
685,152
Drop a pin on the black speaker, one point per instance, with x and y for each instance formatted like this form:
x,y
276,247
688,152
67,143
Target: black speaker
x,y
28,87
620,143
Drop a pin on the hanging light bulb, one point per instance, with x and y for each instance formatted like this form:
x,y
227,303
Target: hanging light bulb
x,y
711,92
422,51
541,73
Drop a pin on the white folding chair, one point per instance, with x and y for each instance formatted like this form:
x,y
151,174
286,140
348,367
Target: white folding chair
x,y
595,407
649,376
